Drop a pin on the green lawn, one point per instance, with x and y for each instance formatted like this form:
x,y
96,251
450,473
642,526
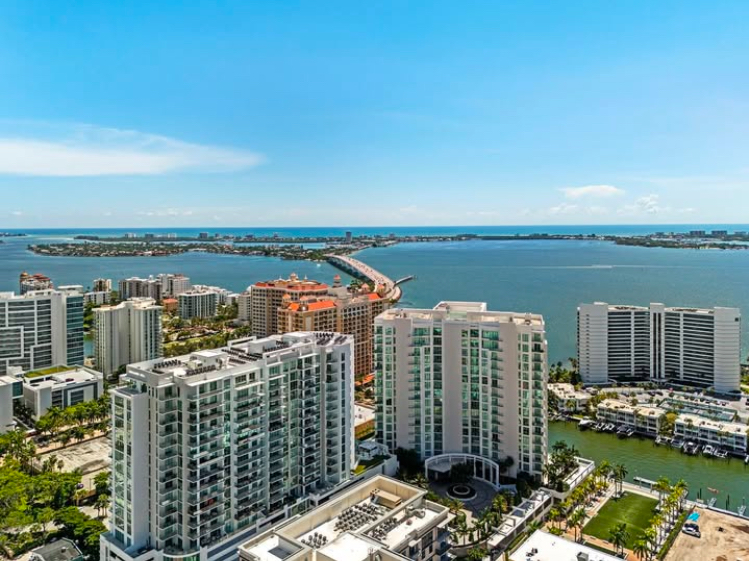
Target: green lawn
x,y
632,509
47,371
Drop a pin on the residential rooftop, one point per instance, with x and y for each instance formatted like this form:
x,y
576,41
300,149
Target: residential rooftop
x,y
379,515
542,546
708,424
641,409
202,365
469,312
60,376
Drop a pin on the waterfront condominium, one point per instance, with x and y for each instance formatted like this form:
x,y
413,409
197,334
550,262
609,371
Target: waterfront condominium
x,y
172,285
342,309
267,297
29,283
209,448
460,379
126,333
136,287
41,329
690,346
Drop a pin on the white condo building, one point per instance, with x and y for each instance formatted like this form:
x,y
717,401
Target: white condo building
x,y
126,333
64,388
212,447
41,329
198,303
459,379
172,285
690,346
11,388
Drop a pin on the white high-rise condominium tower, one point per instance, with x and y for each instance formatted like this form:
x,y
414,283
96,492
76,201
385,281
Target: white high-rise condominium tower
x,y
461,379
40,329
210,447
691,346
126,333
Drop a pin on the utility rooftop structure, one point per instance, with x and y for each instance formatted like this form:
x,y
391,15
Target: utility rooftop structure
x,y
212,446
690,346
380,518
460,379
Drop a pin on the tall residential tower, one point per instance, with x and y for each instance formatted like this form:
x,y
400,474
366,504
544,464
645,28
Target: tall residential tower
x,y
212,446
461,379
691,346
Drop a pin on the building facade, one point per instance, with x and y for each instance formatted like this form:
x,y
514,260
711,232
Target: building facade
x,y
126,333
101,285
644,419
461,379
210,447
197,304
172,285
97,298
266,298
11,388
40,329
689,346
379,518
136,287
30,283
61,389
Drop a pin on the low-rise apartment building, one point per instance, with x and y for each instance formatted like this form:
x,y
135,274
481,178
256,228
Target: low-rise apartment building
x,y
379,519
642,418
731,436
62,389
567,398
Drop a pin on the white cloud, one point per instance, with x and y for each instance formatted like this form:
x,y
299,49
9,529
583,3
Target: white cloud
x,y
85,150
17,213
649,204
591,191
563,208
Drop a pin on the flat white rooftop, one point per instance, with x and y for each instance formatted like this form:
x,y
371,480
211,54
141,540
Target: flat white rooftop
x,y
348,547
546,547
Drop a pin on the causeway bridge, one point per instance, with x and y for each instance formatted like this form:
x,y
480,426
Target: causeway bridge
x,y
362,271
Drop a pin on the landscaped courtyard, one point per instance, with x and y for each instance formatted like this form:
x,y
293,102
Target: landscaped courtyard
x,y
631,509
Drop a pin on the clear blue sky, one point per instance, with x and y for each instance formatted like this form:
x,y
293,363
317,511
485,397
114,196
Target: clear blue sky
x,y
271,113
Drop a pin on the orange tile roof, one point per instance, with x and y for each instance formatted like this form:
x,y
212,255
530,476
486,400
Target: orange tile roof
x,y
373,296
312,306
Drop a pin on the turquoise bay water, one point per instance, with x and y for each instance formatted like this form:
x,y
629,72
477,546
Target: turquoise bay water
x,y
548,277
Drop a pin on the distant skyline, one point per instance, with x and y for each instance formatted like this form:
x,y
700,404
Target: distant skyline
x,y
395,114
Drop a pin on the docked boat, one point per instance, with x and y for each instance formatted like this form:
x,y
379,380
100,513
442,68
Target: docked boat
x,y
585,424
746,460
722,454
690,448
708,450
677,443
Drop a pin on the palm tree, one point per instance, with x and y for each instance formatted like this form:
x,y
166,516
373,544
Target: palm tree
x,y
102,503
619,536
641,548
662,486
555,515
620,472
576,520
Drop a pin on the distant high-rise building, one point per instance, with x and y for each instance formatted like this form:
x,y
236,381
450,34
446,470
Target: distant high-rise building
x,y
126,333
210,448
172,285
349,237
267,297
244,306
136,287
459,379
41,329
691,346
102,285
37,281
197,304
339,310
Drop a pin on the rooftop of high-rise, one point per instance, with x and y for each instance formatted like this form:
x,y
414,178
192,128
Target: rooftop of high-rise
x,y
470,312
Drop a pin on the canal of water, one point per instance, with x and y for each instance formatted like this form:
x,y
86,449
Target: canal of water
x,y
643,458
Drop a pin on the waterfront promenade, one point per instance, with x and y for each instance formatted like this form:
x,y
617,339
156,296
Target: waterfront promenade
x,y
361,270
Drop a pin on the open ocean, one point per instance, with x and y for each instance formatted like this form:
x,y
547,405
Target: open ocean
x,y
547,276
